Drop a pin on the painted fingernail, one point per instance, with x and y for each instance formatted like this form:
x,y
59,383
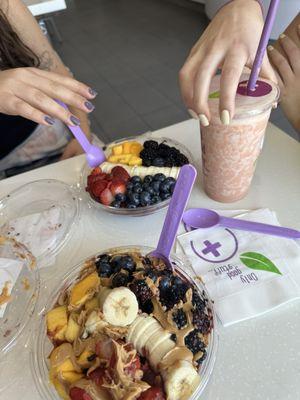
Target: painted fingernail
x,y
49,120
282,36
193,114
225,117
74,120
270,48
89,105
93,92
203,120
274,105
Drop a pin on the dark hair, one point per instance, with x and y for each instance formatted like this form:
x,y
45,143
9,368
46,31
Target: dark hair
x,y
13,52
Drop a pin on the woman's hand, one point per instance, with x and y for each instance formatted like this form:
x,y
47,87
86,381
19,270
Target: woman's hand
x,y
229,42
72,149
31,93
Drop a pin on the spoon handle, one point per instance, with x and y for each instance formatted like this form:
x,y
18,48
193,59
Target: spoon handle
x,y
77,132
259,227
176,209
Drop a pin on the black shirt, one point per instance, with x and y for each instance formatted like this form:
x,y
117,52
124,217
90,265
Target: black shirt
x,y
14,130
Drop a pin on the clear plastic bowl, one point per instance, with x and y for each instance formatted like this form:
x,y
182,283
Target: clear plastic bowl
x,y
42,346
139,211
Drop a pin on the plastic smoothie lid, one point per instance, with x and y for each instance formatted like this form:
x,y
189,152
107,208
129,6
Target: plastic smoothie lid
x,y
265,97
48,207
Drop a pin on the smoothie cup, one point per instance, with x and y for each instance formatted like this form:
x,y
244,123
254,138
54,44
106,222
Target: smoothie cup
x,y
230,152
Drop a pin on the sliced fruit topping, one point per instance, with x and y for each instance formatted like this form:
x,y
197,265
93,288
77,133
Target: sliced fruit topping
x,y
98,375
106,197
57,323
84,290
120,307
117,186
126,153
79,394
154,393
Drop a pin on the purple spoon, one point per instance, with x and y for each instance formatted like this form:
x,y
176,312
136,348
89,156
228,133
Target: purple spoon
x,y
204,218
183,188
94,155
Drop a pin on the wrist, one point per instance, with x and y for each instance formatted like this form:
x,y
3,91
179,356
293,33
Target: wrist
x,y
259,2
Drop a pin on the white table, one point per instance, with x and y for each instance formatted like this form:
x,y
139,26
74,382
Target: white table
x,y
41,7
258,359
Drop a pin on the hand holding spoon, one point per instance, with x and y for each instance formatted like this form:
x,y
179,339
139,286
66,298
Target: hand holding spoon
x,y
183,188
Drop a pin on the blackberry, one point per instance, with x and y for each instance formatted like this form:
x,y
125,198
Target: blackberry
x,y
179,318
158,162
198,302
142,291
169,298
202,358
173,337
180,286
148,154
201,322
151,144
147,307
164,150
120,279
194,343
181,160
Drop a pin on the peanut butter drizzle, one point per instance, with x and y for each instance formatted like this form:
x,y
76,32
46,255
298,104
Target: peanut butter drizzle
x,y
5,297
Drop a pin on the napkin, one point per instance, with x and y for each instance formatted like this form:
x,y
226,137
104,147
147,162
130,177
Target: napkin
x,y
246,274
39,232
9,272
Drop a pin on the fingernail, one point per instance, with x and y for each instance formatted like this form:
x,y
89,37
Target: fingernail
x,y
193,114
49,120
74,120
270,48
225,117
203,120
93,92
282,36
89,105
274,105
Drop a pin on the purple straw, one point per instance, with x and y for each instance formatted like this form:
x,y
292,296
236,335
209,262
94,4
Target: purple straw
x,y
265,36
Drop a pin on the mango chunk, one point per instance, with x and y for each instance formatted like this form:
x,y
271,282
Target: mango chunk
x,y
127,148
117,150
57,322
135,161
92,304
72,330
61,390
114,159
136,148
83,358
84,290
71,376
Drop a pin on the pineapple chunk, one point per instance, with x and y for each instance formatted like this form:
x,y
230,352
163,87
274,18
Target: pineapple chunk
x,y
114,159
71,376
135,161
61,390
117,150
127,147
72,330
57,322
84,290
92,304
136,148
83,358
124,159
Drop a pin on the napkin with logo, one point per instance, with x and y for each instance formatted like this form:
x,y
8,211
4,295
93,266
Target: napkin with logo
x,y
247,274
9,272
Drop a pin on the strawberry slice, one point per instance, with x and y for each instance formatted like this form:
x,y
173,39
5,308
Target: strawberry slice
x,y
106,197
120,172
98,187
96,171
97,376
154,393
134,366
77,393
117,186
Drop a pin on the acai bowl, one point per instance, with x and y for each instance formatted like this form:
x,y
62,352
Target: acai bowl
x,y
123,326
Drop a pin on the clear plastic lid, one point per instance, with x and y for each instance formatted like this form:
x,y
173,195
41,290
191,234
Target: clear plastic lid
x,y
22,299
245,106
40,215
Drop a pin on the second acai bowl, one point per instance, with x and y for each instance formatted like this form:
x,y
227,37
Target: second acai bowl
x,y
123,326
138,177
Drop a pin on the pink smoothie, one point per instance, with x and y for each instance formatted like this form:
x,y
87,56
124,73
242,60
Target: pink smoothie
x,y
230,152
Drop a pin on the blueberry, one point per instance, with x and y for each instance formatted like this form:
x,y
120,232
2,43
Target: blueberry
x,y
159,177
165,196
120,279
129,186
165,283
136,179
127,263
115,204
120,197
155,186
137,188
103,258
104,269
115,263
158,162
148,179
145,199
134,198
131,205
155,199
172,187
152,275
164,187
146,162
171,180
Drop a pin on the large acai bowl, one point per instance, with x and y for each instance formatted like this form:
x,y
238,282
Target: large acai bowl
x,y
130,184
123,326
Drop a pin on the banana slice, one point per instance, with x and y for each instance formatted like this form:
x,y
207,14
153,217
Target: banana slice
x,y
156,339
120,306
160,351
144,332
142,171
181,380
132,327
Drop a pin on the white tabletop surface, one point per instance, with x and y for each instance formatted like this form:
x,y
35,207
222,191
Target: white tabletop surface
x,y
258,359
40,7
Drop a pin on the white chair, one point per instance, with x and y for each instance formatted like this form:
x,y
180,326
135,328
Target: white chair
x,y
287,10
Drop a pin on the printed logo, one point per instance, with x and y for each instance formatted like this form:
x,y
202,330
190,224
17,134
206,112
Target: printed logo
x,y
259,262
